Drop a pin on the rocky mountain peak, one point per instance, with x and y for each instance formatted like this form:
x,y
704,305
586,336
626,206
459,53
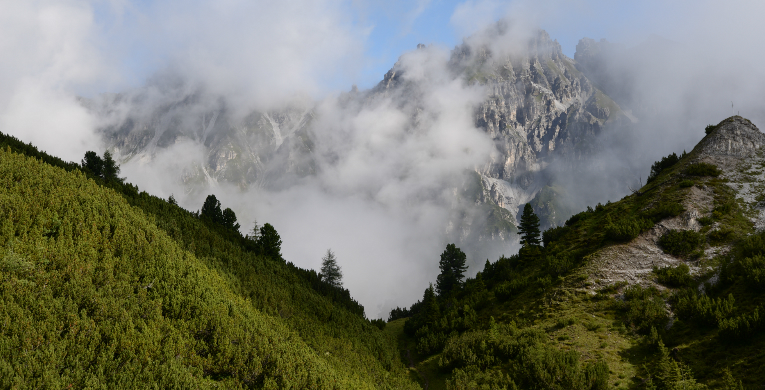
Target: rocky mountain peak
x,y
734,137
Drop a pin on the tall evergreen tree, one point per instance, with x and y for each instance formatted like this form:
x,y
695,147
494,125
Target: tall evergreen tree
x,y
211,209
431,312
269,241
453,269
93,163
229,219
330,270
111,170
529,226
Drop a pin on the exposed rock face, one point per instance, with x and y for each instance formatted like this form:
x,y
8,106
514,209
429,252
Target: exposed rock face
x,y
734,137
736,147
538,107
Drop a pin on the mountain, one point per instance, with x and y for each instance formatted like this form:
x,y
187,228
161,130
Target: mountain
x,y
540,113
661,289
103,286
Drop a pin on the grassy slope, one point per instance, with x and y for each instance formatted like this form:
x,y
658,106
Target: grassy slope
x,y
598,327
94,293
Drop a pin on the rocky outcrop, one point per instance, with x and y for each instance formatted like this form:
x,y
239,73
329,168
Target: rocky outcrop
x,y
735,147
734,137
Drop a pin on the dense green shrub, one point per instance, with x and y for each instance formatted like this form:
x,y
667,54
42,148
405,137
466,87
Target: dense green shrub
x,y
472,377
702,309
672,374
720,236
558,265
709,129
678,276
753,270
577,217
379,323
741,327
644,308
687,183
684,243
554,234
536,364
702,169
398,313
724,208
626,228
661,165
751,245
664,210
505,290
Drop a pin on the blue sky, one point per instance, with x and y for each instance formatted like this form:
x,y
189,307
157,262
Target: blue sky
x,y
390,28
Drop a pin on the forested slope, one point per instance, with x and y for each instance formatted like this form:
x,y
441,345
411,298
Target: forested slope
x,y
582,311
112,288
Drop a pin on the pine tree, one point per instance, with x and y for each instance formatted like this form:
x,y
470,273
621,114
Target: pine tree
x,y
453,269
229,219
431,312
211,209
111,170
529,226
93,163
730,381
269,241
255,232
330,271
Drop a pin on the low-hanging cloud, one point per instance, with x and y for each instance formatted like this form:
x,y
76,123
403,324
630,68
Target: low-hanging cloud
x,y
382,195
48,50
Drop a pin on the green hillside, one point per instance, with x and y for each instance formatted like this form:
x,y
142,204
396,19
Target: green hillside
x,y
112,288
544,318
104,286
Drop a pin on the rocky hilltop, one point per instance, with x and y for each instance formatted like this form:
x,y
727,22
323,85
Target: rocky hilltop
x,y
734,147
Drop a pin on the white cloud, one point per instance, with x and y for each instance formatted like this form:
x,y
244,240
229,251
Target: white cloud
x,y
48,50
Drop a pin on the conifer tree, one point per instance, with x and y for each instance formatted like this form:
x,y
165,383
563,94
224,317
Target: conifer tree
x,y
255,232
430,310
730,381
453,269
111,170
229,219
93,163
269,241
211,209
330,270
529,226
